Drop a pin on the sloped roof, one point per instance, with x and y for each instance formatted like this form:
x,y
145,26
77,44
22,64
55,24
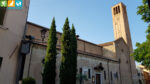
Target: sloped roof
x,y
106,44
112,42
61,33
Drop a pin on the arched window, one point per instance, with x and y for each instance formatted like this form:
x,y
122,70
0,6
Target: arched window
x,y
116,10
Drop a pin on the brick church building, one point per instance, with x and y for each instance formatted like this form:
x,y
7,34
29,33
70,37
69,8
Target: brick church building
x,y
108,63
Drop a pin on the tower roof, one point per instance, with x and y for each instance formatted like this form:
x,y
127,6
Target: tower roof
x,y
120,3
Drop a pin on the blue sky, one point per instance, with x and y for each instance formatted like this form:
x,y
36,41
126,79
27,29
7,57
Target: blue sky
x,y
92,18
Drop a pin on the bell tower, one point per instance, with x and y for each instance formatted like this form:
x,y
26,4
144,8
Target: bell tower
x,y
120,24
121,30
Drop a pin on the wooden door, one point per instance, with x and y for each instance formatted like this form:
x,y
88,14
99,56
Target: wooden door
x,y
98,78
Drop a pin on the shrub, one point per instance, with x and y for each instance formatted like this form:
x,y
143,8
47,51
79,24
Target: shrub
x,y
28,80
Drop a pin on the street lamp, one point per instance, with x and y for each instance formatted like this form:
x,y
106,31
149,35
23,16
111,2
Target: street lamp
x,y
25,49
43,32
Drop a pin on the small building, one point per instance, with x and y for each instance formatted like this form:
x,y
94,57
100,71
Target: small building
x,y
140,76
12,27
145,73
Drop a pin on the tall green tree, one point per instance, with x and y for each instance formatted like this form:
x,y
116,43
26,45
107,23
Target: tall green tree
x,y
49,72
66,66
142,52
73,54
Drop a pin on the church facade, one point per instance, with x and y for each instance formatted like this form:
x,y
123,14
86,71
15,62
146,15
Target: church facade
x,y
108,63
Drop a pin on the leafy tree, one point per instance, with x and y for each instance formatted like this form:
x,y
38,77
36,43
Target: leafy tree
x,y
73,54
28,80
49,73
142,52
66,66
144,11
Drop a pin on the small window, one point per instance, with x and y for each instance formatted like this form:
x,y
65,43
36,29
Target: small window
x,y
111,76
119,60
43,61
122,50
89,73
114,11
80,70
127,61
105,75
117,75
119,9
2,15
1,59
138,74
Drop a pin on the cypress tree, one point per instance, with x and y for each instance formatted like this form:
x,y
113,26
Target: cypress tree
x,y
65,67
49,72
73,54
